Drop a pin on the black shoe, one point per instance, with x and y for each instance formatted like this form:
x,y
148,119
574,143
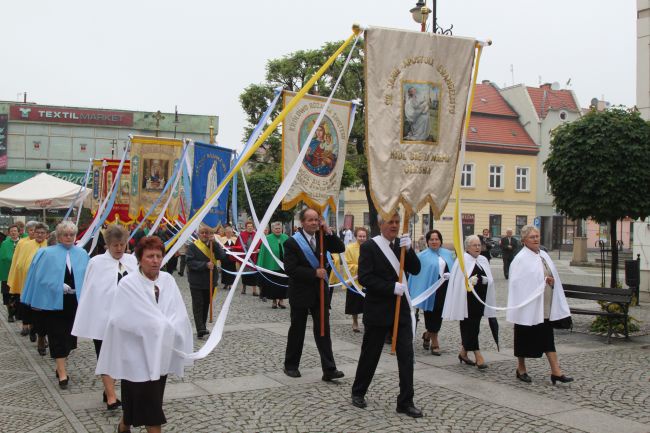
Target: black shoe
x,y
115,405
282,306
482,366
32,335
41,351
128,430
328,376
63,383
291,373
275,307
359,401
203,333
524,377
563,379
466,360
180,274
24,331
11,319
411,411
104,398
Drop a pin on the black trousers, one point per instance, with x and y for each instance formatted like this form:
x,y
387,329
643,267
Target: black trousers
x,y
200,307
181,270
371,348
507,259
296,338
469,329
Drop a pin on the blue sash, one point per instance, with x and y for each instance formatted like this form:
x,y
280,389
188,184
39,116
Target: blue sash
x,y
306,250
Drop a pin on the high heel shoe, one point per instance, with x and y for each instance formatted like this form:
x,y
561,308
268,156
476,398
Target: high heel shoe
x,y
524,377
104,398
425,341
482,366
465,360
563,379
115,405
63,383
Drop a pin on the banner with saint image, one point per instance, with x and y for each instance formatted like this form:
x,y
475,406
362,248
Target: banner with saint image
x,y
153,160
319,179
415,107
211,163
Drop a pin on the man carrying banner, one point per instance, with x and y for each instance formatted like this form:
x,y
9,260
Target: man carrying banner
x,y
305,273
379,269
201,259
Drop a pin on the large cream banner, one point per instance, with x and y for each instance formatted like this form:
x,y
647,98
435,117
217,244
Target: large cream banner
x,y
416,94
153,160
319,178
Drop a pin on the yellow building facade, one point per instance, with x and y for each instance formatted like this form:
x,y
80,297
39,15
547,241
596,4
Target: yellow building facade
x,y
498,179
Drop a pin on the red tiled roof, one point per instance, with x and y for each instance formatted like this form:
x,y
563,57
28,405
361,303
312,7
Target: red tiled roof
x,y
554,99
499,131
488,100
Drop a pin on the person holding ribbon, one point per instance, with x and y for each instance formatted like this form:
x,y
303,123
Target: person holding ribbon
x,y
302,265
535,299
6,255
353,301
379,269
103,274
242,246
53,286
201,259
228,266
462,304
273,287
436,265
147,329
22,259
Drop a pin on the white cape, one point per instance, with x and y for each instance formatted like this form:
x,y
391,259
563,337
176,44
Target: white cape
x,y
455,307
142,337
527,278
98,292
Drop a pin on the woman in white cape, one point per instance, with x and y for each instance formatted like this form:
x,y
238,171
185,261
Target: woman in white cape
x,y
103,273
463,305
534,276
147,327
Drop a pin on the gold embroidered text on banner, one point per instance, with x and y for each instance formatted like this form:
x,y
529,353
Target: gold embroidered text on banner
x,y
416,93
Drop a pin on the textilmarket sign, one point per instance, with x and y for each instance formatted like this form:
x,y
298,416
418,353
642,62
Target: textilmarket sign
x,y
17,176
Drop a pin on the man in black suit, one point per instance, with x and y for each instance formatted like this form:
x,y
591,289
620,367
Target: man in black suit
x,y
378,275
509,248
304,292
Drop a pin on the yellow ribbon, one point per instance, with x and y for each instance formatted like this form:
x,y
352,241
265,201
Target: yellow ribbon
x,y
272,127
458,237
205,250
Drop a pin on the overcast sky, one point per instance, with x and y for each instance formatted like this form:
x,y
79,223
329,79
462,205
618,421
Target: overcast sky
x,y
200,55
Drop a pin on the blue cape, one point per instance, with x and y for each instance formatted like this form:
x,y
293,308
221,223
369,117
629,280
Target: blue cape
x,y
429,274
44,285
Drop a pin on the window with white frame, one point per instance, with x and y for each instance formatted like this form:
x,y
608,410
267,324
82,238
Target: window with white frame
x,y
496,177
467,176
522,181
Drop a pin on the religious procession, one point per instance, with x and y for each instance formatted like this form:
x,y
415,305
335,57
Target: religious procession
x,y
154,275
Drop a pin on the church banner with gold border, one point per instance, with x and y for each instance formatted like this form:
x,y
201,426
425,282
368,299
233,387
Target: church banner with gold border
x,y
319,179
152,163
417,86
103,173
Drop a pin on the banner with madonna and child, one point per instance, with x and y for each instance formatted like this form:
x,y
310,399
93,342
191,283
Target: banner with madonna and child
x,y
319,178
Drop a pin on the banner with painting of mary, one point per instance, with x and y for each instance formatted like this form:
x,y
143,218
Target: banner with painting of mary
x,y
211,163
318,181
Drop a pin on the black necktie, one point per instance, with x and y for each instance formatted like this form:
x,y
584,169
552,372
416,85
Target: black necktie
x,y
392,246
156,292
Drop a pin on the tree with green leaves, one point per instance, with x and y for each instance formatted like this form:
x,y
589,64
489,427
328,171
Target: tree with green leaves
x,y
599,168
291,72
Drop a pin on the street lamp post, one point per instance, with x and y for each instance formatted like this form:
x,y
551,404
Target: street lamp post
x,y
420,15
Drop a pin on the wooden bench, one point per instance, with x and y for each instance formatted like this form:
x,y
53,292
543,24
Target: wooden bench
x,y
611,297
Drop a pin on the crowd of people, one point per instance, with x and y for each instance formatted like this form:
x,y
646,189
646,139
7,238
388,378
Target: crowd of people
x,y
122,297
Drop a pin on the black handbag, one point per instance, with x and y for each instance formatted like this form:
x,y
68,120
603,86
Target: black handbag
x,y
565,323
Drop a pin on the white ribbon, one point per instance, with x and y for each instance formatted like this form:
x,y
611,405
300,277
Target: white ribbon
x,y
523,304
428,292
217,331
348,274
257,223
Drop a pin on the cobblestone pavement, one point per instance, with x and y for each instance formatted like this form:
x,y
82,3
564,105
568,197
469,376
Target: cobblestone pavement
x,y
240,387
